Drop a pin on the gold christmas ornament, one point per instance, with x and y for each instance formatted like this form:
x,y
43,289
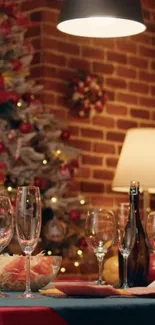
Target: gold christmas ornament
x,y
55,230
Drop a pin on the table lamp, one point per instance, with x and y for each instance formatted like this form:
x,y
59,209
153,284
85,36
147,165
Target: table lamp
x,y
101,18
137,162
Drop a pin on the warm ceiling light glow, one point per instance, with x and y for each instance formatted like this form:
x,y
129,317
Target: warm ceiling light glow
x,y
101,18
63,270
101,27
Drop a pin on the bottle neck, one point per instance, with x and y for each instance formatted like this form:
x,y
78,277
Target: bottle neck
x,y
135,198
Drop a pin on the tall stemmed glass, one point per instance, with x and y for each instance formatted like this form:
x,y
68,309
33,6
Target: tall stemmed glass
x,y
6,225
100,231
126,228
150,231
28,226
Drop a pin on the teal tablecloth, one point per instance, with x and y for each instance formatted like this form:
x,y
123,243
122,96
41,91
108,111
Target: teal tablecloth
x,y
93,311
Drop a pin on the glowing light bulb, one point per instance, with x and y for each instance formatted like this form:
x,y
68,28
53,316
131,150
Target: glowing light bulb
x,y
76,264
58,152
79,252
82,201
54,199
9,188
19,104
44,162
63,270
49,253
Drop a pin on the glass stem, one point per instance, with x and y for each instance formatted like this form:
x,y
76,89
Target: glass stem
x,y
125,273
100,258
28,286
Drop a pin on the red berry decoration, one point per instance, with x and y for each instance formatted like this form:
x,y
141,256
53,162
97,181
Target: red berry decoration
x,y
16,64
65,135
83,244
13,96
25,127
64,169
40,182
2,165
28,97
74,215
2,147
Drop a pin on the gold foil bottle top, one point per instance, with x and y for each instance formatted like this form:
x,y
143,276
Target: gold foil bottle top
x,y
134,184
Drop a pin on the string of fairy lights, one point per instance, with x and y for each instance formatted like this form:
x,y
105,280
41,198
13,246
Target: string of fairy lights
x,y
75,263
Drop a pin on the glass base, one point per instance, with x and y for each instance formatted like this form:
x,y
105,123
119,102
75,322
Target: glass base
x,y
29,295
124,286
99,282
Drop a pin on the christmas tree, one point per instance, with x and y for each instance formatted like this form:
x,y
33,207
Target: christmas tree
x,y
34,145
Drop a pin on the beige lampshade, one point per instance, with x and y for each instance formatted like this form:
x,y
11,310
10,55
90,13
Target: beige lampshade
x,y
136,161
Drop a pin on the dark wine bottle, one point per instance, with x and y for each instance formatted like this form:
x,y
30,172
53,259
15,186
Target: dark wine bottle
x,y
138,261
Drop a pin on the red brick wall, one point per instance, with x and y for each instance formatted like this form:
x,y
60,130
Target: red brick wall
x,y
128,68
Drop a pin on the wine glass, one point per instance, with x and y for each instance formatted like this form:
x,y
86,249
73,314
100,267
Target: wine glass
x,y
28,226
100,233
6,225
126,228
150,231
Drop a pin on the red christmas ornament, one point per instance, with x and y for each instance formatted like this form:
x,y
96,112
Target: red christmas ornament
x,y
16,64
74,215
2,147
25,127
65,135
83,244
1,82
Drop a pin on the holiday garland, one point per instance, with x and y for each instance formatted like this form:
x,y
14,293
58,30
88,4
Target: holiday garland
x,y
87,93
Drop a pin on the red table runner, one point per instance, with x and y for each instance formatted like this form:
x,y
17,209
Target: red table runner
x,y
30,316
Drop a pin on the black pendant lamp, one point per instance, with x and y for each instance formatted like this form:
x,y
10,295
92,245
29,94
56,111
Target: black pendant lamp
x,y
101,18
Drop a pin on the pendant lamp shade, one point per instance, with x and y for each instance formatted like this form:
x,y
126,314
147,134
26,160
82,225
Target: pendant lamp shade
x,y
101,18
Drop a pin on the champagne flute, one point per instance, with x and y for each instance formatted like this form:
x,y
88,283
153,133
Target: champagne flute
x,y
150,231
100,231
28,226
126,228
6,225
